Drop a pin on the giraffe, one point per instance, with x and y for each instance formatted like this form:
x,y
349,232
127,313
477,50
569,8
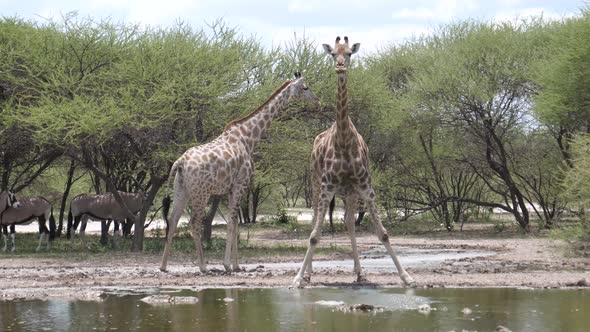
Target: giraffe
x,y
340,166
224,166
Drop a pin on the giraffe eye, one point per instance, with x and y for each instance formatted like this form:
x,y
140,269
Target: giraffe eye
x,y
305,87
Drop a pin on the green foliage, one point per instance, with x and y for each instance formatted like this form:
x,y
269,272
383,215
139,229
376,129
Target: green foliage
x,y
281,219
576,184
499,226
137,98
564,76
464,90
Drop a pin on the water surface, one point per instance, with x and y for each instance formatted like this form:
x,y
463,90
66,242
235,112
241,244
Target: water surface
x,y
314,309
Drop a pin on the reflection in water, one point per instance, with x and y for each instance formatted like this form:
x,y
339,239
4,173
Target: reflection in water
x,y
297,310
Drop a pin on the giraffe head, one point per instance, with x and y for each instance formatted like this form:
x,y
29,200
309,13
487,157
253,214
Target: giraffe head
x,y
341,53
299,90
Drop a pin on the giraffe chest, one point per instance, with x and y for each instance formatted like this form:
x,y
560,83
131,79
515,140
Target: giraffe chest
x,y
341,169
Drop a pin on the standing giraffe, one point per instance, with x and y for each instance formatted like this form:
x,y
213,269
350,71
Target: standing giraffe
x,y
340,166
224,166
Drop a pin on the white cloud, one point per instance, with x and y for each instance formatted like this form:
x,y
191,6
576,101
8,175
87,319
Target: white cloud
x,y
439,11
299,6
102,4
148,12
371,37
317,6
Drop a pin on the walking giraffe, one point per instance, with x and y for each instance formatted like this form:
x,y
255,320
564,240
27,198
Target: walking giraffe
x,y
224,166
340,166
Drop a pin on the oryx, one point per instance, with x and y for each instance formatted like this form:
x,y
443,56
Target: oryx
x,y
29,208
7,199
102,207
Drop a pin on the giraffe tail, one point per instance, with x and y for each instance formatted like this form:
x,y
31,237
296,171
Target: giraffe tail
x,y
177,164
166,200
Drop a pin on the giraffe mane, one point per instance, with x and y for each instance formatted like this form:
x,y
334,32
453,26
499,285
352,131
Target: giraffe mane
x,y
242,119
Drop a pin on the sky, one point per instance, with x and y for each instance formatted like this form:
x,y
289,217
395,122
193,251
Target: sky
x,y
373,23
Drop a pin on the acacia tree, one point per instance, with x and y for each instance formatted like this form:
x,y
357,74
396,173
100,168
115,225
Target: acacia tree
x,y
563,101
482,88
418,165
23,76
125,104
469,86
563,104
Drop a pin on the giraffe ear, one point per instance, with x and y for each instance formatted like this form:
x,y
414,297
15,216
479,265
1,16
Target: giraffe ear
x,y
327,48
355,48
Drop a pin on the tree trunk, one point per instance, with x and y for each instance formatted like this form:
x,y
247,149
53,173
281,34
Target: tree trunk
x,y
64,198
255,202
156,184
208,221
497,160
104,231
5,174
245,208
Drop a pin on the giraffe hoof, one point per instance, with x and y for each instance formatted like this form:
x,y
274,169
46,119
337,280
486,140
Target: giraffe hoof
x,y
237,269
361,278
298,282
408,280
163,269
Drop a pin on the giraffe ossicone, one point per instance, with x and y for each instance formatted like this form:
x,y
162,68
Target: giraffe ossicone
x,y
340,166
224,166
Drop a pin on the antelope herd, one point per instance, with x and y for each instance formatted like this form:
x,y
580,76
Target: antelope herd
x,y
225,166
24,210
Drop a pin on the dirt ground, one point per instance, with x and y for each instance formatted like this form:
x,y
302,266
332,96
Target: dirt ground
x,y
535,262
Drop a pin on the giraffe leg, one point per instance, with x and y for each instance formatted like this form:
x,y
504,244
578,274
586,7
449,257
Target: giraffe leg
x,y
315,202
383,237
229,241
196,227
180,199
314,238
231,245
234,249
351,206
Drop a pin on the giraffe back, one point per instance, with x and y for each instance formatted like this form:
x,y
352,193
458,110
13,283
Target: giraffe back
x,y
213,168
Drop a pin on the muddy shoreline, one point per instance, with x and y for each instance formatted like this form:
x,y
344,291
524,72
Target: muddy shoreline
x,y
517,262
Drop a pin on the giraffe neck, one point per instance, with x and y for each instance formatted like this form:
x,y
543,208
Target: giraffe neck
x,y
251,130
342,119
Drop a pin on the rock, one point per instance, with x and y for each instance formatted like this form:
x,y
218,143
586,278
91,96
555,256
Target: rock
x,y
167,299
362,307
184,299
581,283
466,311
156,299
424,309
501,328
330,303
